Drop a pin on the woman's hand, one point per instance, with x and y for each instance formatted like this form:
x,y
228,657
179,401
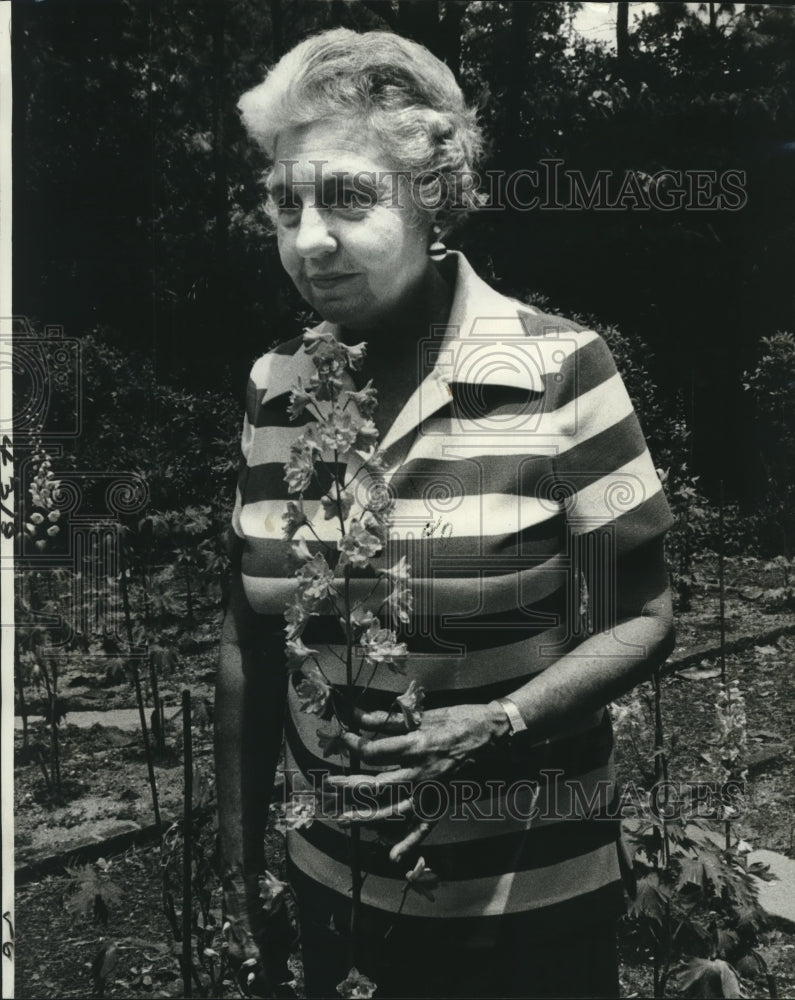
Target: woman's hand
x,y
446,740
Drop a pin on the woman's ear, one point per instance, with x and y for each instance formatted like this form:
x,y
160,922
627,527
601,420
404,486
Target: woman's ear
x,y
437,250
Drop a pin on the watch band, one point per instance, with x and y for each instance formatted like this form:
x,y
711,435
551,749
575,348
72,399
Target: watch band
x,y
515,720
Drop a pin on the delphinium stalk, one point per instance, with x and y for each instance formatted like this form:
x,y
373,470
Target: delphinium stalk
x,y
337,451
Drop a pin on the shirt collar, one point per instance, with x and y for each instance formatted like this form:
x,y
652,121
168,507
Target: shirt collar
x,y
483,343
480,345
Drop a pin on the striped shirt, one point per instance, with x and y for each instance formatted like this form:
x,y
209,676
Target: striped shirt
x,y
518,455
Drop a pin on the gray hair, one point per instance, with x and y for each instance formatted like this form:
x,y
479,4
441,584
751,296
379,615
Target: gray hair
x,y
409,100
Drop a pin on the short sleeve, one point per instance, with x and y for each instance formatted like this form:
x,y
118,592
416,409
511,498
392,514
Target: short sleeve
x,y
253,398
603,471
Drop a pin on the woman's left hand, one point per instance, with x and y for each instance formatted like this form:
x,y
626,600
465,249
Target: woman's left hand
x,y
446,740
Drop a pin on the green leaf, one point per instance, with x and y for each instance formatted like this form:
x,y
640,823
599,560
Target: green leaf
x,y
709,978
650,900
691,872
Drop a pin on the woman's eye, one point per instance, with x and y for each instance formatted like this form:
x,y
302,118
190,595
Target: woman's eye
x,y
346,194
287,209
356,199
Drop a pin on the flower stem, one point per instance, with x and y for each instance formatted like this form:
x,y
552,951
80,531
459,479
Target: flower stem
x,y
400,910
354,837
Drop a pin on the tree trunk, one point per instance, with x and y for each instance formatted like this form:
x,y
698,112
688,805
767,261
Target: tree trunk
x,y
23,711
189,596
450,34
622,37
220,194
520,27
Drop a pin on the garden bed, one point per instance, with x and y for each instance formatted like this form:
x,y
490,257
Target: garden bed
x,y
106,794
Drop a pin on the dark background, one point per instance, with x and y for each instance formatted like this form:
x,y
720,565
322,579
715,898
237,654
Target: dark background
x,y
138,215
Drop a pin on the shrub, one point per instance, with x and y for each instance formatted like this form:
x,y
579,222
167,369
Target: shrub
x,y
771,386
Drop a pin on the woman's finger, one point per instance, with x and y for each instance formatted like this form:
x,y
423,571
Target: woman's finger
x,y
381,722
392,811
375,782
386,750
417,835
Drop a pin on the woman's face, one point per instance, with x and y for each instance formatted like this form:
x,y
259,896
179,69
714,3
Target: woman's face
x,y
349,236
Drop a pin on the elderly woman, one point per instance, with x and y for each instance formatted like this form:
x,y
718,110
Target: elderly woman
x,y
533,520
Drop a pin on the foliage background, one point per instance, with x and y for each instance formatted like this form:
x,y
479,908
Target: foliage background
x,y
137,208
138,227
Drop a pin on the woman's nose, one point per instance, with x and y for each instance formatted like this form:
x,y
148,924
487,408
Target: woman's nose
x,y
313,238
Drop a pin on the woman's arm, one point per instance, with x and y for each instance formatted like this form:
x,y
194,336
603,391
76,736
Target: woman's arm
x,y
637,638
250,700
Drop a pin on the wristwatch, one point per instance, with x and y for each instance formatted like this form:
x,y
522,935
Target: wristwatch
x,y
515,720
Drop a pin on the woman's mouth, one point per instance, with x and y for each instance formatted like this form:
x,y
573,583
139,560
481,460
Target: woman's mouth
x,y
329,280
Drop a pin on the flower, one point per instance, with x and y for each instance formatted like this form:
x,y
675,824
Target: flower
x,y
297,654
340,430
422,880
376,463
400,572
300,466
298,471
330,358
410,704
357,986
355,355
271,891
379,645
313,690
54,516
332,507
37,518
359,545
401,600
298,814
53,530
732,737
300,551
365,400
314,341
300,398
366,439
296,616
376,525
315,581
294,518
362,619
326,388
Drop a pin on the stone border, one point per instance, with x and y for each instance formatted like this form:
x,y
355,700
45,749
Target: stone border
x,y
56,864
736,645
